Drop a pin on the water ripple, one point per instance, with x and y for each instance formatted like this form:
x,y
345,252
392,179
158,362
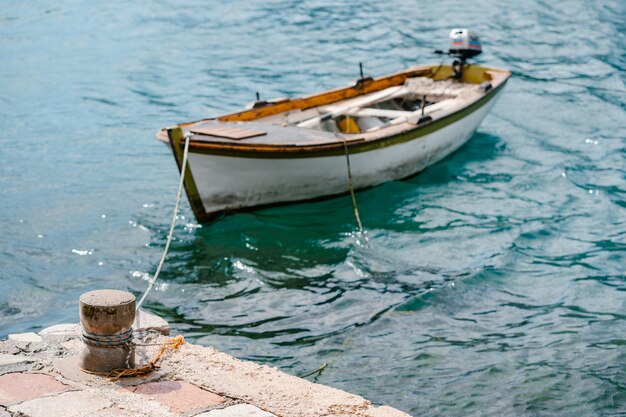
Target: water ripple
x,y
501,266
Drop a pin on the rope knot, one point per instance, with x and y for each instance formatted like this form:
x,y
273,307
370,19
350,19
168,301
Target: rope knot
x,y
168,345
108,341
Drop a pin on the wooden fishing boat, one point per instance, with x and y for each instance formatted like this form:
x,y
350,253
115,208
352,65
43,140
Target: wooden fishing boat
x,y
287,150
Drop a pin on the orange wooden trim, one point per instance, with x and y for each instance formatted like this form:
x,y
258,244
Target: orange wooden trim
x,y
327,97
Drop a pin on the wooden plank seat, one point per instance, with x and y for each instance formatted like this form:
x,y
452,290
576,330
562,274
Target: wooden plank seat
x,y
388,114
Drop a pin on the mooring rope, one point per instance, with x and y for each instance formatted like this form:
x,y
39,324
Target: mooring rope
x,y
168,345
318,371
354,205
125,339
113,340
171,233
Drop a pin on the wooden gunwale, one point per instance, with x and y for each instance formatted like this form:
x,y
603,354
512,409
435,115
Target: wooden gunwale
x,y
315,100
336,148
327,97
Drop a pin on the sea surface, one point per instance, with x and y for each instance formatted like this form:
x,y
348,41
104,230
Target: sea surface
x,y
491,284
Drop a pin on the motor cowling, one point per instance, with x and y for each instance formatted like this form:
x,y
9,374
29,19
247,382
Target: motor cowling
x,y
464,44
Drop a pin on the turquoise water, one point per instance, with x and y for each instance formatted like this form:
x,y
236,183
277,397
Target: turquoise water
x,y
491,284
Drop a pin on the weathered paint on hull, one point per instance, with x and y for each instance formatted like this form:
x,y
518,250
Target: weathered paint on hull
x,y
226,183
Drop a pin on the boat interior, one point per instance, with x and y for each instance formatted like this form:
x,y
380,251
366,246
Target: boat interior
x,y
418,98
370,109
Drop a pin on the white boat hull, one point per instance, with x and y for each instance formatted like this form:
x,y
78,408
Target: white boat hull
x,y
227,183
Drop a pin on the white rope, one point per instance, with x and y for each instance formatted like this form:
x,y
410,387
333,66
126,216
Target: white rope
x,y
169,237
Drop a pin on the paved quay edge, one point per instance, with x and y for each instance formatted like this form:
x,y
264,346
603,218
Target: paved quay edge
x,y
39,377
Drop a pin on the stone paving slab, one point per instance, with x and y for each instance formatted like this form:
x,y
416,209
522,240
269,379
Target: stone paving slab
x,y
22,366
6,359
178,396
239,410
17,387
69,404
59,333
110,412
145,321
25,337
68,368
268,388
61,329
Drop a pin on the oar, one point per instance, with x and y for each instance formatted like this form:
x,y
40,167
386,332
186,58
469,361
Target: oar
x,y
387,94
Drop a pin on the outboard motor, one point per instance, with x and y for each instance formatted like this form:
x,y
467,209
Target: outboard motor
x,y
464,44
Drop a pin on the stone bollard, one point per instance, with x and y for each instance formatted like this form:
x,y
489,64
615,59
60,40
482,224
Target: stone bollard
x,y
107,318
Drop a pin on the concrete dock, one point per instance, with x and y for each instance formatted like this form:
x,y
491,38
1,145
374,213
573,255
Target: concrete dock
x,y
40,377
